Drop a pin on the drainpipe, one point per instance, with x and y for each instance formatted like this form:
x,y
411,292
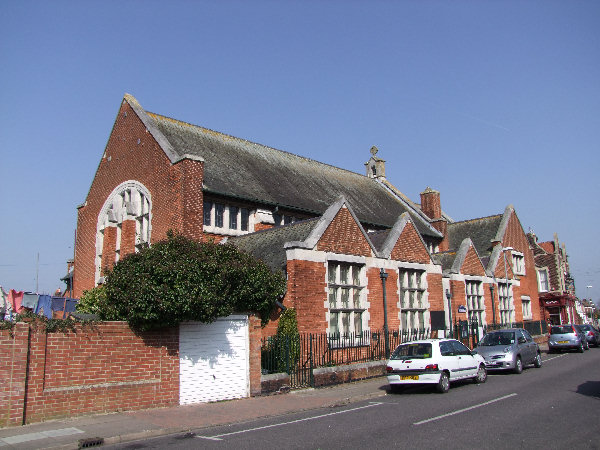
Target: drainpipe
x,y
449,297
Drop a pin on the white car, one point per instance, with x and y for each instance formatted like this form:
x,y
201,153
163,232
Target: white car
x,y
434,361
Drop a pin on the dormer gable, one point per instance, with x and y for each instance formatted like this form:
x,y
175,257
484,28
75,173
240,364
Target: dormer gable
x,y
338,231
500,265
404,243
467,260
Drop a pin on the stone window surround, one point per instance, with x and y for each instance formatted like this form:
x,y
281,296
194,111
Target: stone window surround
x,y
338,286
526,305
518,262
481,313
506,304
225,229
413,313
113,215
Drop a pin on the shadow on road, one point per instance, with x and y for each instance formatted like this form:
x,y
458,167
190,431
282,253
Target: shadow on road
x,y
590,388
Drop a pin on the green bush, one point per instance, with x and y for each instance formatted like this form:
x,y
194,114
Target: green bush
x,y
282,351
179,280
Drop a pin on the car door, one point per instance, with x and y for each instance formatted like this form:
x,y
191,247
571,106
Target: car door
x,y
449,359
467,363
530,345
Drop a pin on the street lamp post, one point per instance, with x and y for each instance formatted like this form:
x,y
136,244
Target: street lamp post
x,y
383,275
504,250
449,297
493,305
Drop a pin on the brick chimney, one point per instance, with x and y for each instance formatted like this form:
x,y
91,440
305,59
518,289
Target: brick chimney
x,y
430,203
432,207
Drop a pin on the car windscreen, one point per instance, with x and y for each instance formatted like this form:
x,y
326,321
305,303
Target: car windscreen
x,y
498,338
412,351
561,330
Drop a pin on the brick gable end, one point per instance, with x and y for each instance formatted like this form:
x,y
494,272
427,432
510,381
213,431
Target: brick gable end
x,y
409,247
472,264
343,235
132,153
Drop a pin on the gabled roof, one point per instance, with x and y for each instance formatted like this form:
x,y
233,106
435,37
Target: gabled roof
x,y
268,245
482,233
444,259
249,171
387,241
271,245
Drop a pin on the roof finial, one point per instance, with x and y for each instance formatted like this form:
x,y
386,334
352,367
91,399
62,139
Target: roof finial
x,y
374,150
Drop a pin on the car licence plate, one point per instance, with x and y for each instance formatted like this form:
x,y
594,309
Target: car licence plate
x,y
409,377
562,342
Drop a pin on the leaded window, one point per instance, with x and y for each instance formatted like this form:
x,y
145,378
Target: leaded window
x,y
475,303
345,299
413,303
506,304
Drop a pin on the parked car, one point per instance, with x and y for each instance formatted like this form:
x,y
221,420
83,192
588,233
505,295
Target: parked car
x,y
437,362
510,349
566,337
591,334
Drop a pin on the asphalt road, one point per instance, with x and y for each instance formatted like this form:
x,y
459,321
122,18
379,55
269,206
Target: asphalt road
x,y
556,406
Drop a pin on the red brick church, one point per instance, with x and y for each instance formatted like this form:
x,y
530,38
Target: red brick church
x,y
332,232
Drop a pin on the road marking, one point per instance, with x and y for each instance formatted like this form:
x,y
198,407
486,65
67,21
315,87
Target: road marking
x,y
465,409
219,437
554,357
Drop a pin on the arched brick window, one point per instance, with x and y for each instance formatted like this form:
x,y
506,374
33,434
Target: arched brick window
x,y
124,224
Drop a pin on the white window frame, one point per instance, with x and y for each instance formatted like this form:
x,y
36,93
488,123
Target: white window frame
x,y
547,272
475,300
414,302
209,215
506,304
526,305
346,300
518,262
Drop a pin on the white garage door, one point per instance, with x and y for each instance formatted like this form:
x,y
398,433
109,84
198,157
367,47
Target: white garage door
x,y
213,360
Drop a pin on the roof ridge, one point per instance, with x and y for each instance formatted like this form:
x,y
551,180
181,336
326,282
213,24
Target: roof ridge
x,y
475,219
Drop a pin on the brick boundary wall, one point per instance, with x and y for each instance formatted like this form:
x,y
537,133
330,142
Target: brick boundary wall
x,y
98,368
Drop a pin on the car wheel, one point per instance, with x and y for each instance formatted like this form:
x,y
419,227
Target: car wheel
x,y
444,383
580,349
518,365
537,362
481,375
396,388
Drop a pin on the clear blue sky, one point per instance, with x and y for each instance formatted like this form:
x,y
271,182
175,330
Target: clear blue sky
x,y
490,102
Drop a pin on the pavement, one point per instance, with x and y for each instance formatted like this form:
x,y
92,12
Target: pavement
x,y
87,431
114,428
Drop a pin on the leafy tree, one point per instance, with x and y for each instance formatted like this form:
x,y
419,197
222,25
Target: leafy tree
x,y
179,279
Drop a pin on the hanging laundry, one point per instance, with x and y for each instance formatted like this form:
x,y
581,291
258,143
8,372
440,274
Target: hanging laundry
x,y
30,301
70,305
15,298
58,307
44,306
